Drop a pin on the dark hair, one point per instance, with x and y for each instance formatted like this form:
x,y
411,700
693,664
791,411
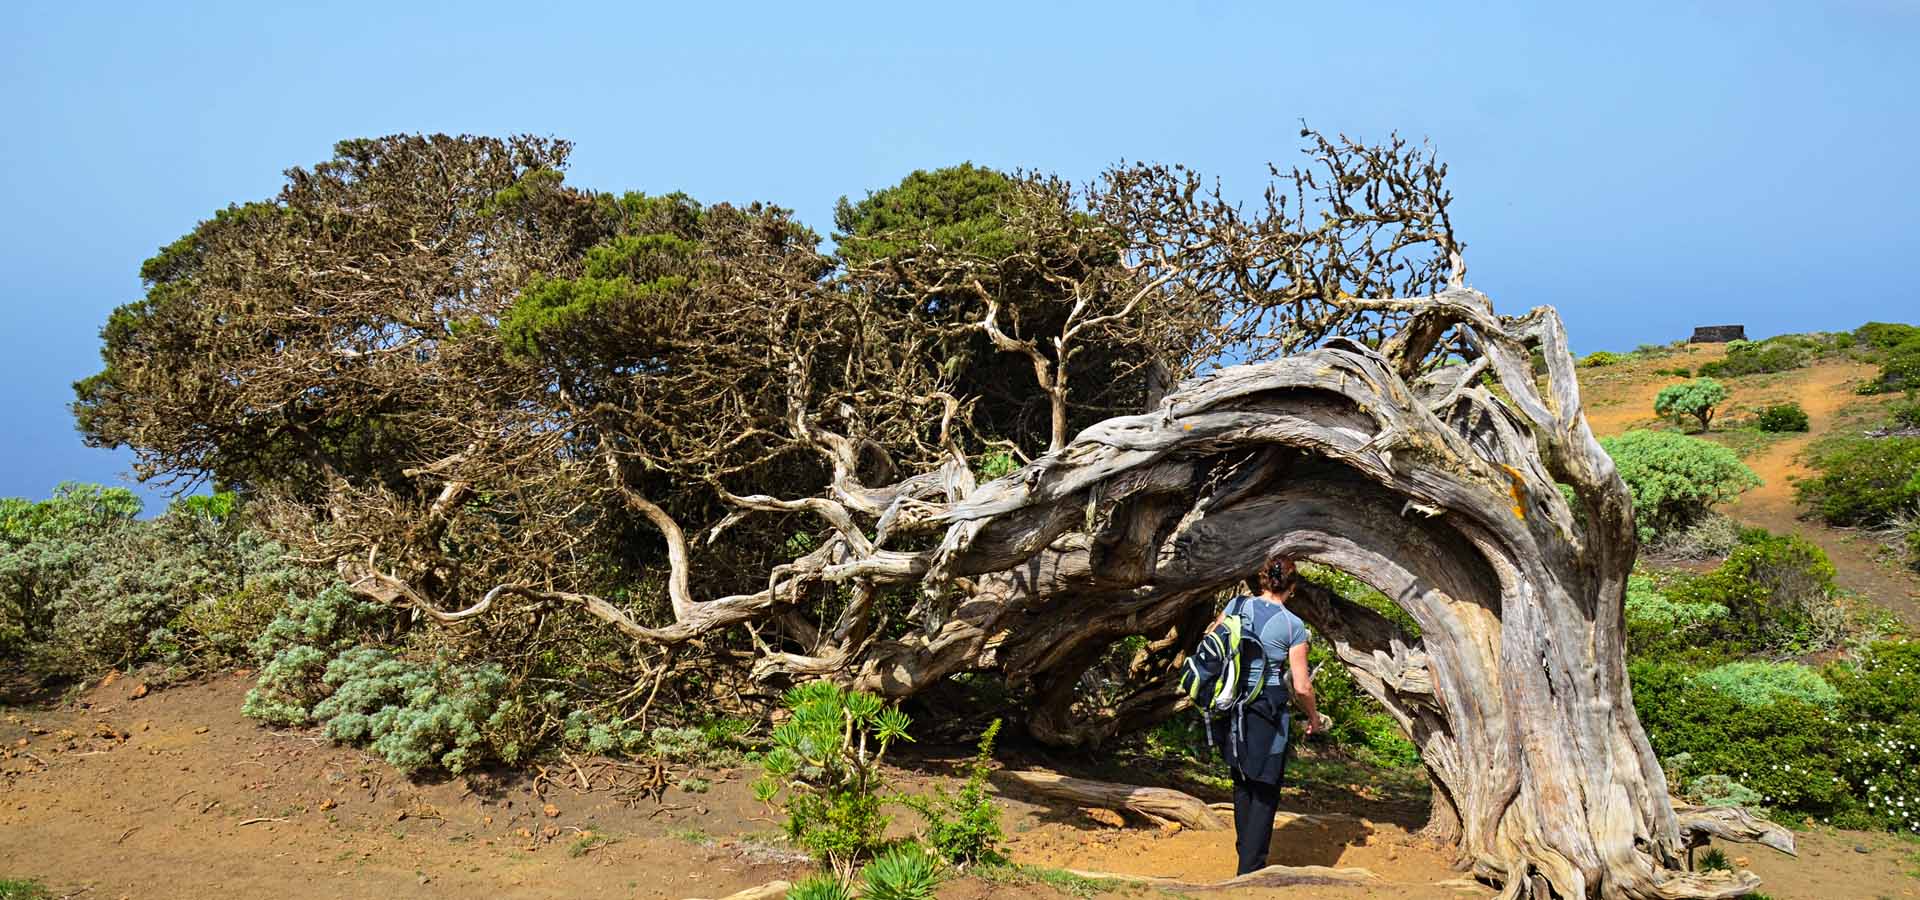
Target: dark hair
x,y
1277,575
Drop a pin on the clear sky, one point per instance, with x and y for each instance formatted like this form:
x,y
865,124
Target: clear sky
x,y
1645,167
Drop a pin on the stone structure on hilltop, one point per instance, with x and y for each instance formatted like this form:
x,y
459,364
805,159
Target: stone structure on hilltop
x,y
1717,334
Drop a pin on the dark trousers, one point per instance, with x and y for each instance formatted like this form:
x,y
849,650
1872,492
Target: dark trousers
x,y
1254,803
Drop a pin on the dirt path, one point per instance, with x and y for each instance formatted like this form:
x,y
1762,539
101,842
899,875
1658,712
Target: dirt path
x,y
1825,389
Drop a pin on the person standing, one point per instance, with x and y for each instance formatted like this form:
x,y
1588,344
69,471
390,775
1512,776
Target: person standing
x,y
1256,750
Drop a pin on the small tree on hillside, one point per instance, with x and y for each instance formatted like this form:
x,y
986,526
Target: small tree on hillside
x,y
1699,398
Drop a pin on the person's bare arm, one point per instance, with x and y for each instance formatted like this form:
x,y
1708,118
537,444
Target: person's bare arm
x,y
1303,686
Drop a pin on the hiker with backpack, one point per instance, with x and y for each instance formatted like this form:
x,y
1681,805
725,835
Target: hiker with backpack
x,y
1250,668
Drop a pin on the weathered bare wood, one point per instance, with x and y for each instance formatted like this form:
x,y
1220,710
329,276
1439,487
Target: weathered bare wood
x,y
1731,823
1156,804
772,890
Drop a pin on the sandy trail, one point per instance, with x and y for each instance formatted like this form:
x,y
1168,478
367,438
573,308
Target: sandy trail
x,y
1825,389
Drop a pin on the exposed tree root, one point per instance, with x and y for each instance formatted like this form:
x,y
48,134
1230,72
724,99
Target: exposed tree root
x,y
1158,805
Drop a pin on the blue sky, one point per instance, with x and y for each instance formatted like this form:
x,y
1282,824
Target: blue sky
x,y
1645,167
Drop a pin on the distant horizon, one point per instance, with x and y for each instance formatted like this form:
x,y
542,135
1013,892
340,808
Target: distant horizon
x,y
1644,167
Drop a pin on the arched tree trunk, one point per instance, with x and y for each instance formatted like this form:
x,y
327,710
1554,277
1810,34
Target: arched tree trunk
x,y
1440,491
1441,487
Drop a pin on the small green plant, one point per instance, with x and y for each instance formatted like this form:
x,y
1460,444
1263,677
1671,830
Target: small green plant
x,y
1719,790
23,889
825,761
695,785
906,872
1752,683
586,843
1699,398
1600,358
1899,367
416,715
1906,413
996,464
1782,417
965,827
1061,880
1713,861
822,886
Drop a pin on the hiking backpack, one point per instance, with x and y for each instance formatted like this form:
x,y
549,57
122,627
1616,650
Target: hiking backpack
x,y
1214,676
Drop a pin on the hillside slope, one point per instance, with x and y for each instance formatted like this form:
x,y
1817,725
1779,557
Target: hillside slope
x,y
1620,398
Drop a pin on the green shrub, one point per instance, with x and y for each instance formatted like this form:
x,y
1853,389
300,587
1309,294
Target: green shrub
x,y
1778,593
826,762
1900,367
600,736
297,647
1906,413
1710,537
1699,398
823,886
1782,417
84,586
1885,335
1863,481
716,744
965,827
1851,757
45,546
1600,358
417,716
1758,357
1880,702
906,872
1752,683
1655,620
1786,751
1675,479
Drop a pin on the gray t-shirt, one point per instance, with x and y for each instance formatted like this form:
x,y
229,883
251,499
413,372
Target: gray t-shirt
x,y
1279,630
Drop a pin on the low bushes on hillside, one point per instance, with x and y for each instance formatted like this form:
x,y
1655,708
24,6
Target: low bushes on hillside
x,y
1842,744
1600,358
1899,368
86,586
1863,481
1782,417
1675,479
1885,335
1774,594
1760,357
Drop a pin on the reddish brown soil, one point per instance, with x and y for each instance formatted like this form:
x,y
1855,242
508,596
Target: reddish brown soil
x,y
175,795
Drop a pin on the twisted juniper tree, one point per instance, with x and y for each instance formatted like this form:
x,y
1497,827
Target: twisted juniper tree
x,y
494,399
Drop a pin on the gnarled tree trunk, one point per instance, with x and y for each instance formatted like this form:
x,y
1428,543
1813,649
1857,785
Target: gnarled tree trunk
x,y
1441,487
1438,490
